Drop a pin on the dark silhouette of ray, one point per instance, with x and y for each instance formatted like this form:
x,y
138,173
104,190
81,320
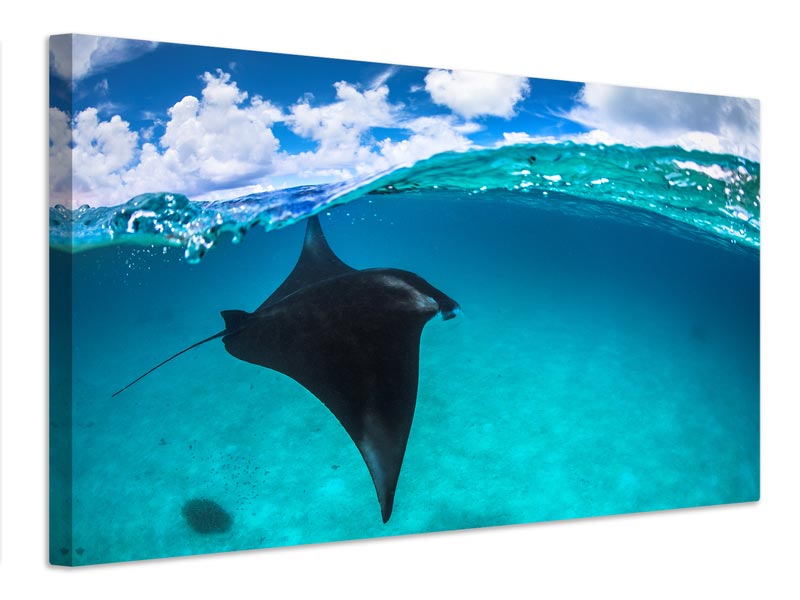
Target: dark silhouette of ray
x,y
350,337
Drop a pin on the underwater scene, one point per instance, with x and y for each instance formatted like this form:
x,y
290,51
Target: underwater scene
x,y
489,336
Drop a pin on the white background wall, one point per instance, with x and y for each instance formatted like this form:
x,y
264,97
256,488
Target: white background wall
x,y
730,48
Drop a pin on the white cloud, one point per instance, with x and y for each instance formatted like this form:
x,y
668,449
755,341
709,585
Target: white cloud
x,y
78,56
472,94
344,121
216,142
642,117
384,76
343,132
60,158
430,136
88,162
222,145
340,129
101,148
595,136
88,157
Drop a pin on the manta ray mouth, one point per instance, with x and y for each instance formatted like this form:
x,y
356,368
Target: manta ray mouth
x,y
450,312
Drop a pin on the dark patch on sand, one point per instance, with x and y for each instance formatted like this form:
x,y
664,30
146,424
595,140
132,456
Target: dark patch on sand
x,y
206,516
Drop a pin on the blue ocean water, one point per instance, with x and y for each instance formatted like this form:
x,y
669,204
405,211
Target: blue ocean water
x,y
606,360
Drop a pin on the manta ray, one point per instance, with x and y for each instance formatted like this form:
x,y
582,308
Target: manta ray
x,y
350,337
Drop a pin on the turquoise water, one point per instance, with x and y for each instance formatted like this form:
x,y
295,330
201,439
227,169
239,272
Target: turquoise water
x,y
606,360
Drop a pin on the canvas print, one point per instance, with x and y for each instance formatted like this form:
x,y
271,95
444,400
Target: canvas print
x,y
298,300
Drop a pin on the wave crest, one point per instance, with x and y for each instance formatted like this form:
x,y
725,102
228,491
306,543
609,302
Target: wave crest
x,y
716,194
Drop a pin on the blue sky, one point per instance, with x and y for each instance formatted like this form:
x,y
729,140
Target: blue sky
x,y
216,123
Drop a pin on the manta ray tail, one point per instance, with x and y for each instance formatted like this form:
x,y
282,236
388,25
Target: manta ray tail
x,y
177,354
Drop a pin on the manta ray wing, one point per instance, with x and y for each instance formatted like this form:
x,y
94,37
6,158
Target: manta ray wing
x,y
316,263
353,342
